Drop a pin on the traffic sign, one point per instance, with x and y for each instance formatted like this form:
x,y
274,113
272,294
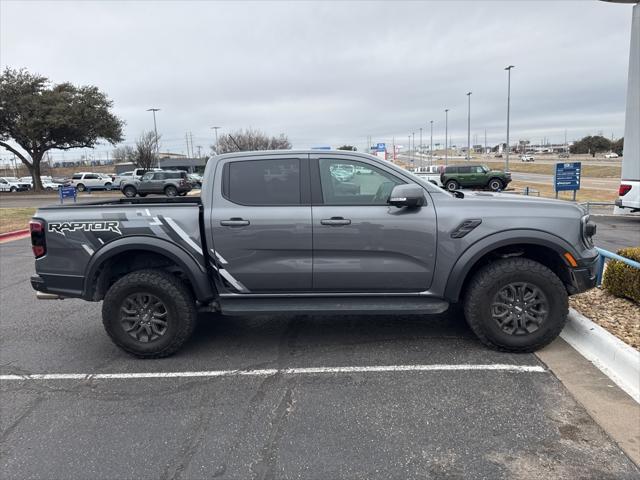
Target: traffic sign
x,y
67,192
381,147
567,176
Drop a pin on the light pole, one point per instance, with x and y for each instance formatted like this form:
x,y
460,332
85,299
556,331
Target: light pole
x,y
155,129
446,136
469,127
216,130
420,146
409,149
431,145
508,69
413,149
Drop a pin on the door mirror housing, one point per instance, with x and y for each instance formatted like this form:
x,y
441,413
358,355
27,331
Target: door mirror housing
x,y
410,195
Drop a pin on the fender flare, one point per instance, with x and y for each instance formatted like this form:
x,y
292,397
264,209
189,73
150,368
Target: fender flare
x,y
477,250
196,273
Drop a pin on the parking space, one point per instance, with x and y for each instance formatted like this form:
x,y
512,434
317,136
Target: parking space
x,y
288,403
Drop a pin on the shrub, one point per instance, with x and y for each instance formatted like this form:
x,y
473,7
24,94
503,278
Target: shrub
x,y
622,280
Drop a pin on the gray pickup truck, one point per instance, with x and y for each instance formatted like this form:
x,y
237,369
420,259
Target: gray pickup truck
x,y
289,231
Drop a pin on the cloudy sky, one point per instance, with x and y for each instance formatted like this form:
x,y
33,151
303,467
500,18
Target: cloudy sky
x,y
335,72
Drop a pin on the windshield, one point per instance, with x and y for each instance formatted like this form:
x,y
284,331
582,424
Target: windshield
x,y
485,168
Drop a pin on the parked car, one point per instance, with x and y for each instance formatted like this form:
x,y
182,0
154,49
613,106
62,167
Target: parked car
x,y
564,155
474,176
88,180
265,243
47,182
122,177
527,158
195,180
12,184
629,195
430,173
169,182
611,155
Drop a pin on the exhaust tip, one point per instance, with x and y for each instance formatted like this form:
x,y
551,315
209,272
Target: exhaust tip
x,y
48,296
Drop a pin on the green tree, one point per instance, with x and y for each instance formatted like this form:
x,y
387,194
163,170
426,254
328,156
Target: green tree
x,y
38,116
250,140
592,145
348,147
618,146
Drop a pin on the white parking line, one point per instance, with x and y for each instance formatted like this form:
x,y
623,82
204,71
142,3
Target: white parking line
x,y
273,371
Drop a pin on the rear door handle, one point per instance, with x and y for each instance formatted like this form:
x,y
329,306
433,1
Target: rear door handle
x,y
335,221
234,222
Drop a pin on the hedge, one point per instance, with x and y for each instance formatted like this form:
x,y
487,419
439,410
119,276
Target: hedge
x,y
622,280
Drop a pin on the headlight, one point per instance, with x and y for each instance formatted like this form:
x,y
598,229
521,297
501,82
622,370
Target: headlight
x,y
588,231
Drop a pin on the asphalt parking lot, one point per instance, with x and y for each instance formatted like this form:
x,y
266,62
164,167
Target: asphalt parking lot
x,y
249,415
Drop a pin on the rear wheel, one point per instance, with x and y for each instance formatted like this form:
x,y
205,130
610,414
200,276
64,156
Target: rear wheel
x,y
149,313
452,185
107,186
495,184
80,187
13,189
170,191
516,305
129,191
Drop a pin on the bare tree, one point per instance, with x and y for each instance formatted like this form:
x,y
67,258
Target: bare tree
x,y
123,154
250,139
145,151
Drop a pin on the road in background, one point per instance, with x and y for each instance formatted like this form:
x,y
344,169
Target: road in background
x,y
23,200
438,424
618,232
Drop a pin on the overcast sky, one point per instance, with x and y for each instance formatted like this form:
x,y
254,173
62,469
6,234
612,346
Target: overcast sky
x,y
335,72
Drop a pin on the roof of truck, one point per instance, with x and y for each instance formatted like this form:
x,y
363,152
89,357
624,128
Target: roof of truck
x,y
259,153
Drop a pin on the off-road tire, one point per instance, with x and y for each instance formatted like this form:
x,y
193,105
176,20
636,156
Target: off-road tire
x,y
179,303
490,279
80,187
170,191
129,191
496,184
452,185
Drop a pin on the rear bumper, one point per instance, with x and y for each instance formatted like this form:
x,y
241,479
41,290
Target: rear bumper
x,y
62,285
584,277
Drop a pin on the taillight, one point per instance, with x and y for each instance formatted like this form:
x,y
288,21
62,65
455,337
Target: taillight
x,y
38,244
624,189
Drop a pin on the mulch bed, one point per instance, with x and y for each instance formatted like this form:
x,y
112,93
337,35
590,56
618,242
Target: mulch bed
x,y
619,316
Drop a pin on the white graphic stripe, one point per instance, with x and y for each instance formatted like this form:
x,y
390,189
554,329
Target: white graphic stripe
x,y
87,249
284,371
183,235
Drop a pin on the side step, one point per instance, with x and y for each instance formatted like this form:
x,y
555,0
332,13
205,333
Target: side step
x,y
333,305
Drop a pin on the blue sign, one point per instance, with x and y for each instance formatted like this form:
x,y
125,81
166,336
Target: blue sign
x,y
67,192
381,147
567,176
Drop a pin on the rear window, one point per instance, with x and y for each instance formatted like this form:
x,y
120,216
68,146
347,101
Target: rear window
x,y
464,169
263,182
174,175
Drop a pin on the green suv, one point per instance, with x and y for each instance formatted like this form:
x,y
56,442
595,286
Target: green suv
x,y
474,176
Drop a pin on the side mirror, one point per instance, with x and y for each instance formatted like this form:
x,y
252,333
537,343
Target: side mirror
x,y
410,195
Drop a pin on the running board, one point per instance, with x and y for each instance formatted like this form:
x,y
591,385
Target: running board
x,y
335,305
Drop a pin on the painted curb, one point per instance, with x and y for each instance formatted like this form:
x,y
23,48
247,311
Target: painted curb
x,y
15,235
616,359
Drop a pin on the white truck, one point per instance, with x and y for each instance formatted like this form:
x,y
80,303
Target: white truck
x,y
629,195
430,174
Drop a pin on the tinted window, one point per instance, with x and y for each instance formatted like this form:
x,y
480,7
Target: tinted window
x,y
451,169
464,169
264,182
91,176
76,177
346,182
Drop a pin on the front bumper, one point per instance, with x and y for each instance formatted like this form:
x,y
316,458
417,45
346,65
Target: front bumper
x,y
584,277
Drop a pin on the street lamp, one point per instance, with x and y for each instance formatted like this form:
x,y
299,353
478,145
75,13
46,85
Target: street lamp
x,y
431,146
155,129
508,69
446,136
409,149
216,130
469,127
420,147
413,149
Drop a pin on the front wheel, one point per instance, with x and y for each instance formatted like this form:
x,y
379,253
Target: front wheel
x,y
149,313
170,191
452,185
129,192
13,189
495,184
516,305
107,186
80,187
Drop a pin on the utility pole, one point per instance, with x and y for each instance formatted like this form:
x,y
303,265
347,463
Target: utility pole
x,y
216,130
469,127
431,145
199,149
420,147
409,148
446,135
508,69
485,141
186,138
413,150
191,138
155,129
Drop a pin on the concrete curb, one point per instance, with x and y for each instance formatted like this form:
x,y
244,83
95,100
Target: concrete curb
x,y
15,235
616,359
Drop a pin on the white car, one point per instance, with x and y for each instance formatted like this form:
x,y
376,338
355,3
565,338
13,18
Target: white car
x,y
95,181
123,177
47,182
611,155
430,174
527,158
629,195
12,184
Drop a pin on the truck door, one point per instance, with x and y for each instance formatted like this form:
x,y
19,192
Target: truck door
x,y
360,243
261,223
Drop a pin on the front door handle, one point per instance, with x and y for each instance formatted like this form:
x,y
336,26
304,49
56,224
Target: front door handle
x,y
335,221
234,222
